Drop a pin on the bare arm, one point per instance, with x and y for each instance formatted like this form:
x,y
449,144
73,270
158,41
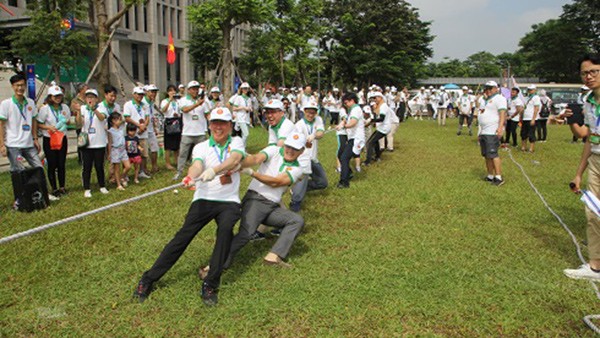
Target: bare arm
x,y
280,180
587,151
2,145
187,109
230,163
253,160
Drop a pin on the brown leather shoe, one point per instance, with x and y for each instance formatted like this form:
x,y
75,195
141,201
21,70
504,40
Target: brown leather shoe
x,y
278,263
203,272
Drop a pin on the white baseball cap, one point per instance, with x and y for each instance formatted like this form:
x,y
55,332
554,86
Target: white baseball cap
x,y
92,92
274,104
312,104
465,88
55,91
268,91
138,90
295,140
442,88
367,109
193,84
220,114
491,84
531,86
422,88
355,89
336,89
151,88
215,90
181,86
245,85
374,94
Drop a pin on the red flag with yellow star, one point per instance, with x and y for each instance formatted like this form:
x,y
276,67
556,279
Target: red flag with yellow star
x,y
171,50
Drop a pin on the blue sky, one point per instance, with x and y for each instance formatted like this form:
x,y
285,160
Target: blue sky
x,y
465,27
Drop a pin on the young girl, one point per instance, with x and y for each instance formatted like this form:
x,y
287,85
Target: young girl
x,y
116,150
134,150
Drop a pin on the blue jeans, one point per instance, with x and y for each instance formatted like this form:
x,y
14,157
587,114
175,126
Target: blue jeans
x,y
318,180
29,154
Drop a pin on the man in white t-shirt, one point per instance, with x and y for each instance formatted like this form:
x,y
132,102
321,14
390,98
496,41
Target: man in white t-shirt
x,y
530,114
153,112
442,106
279,126
216,198
355,129
194,123
279,169
313,129
303,99
465,111
383,124
515,109
241,106
136,113
491,124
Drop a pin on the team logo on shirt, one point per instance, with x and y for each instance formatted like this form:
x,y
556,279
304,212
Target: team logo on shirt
x,y
270,101
296,137
220,111
288,168
29,108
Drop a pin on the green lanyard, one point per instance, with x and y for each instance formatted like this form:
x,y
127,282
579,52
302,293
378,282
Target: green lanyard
x,y
21,107
55,112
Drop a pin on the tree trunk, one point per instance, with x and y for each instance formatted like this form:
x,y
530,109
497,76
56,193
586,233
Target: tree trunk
x,y
103,74
226,57
281,66
56,70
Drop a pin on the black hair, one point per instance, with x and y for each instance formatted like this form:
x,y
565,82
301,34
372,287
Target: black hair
x,y
593,58
169,87
350,96
16,78
113,116
516,89
131,127
109,89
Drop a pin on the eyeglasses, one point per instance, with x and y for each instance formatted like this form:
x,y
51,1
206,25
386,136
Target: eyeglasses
x,y
592,72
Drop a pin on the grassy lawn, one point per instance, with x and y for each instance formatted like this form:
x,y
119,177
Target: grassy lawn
x,y
419,245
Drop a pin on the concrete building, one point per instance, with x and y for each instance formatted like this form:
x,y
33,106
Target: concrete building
x,y
141,40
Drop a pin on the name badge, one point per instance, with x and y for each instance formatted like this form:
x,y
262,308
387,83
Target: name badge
x,y
26,127
92,131
195,117
595,139
225,179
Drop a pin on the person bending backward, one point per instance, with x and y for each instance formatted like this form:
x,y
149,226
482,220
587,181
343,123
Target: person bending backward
x,y
590,160
194,123
136,113
530,114
216,198
465,111
515,110
279,169
382,126
491,124
93,121
388,141
313,129
355,129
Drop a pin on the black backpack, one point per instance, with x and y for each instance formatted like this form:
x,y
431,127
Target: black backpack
x,y
30,190
545,110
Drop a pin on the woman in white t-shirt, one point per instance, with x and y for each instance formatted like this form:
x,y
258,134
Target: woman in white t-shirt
x,y
54,118
173,125
93,154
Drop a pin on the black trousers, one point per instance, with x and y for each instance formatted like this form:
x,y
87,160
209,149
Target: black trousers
x,y
342,140
93,158
56,160
511,131
542,129
201,212
345,158
335,117
527,131
373,146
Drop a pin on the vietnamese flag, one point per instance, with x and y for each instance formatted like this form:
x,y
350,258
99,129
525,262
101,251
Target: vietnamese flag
x,y
171,50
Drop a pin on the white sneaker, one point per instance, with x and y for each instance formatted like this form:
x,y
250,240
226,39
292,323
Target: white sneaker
x,y
87,194
582,272
53,198
176,177
104,191
143,175
358,169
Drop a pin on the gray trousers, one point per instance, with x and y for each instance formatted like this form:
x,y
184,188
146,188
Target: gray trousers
x,y
29,154
317,181
187,143
257,210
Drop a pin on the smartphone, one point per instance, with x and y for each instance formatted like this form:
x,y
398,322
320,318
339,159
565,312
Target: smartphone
x,y
577,116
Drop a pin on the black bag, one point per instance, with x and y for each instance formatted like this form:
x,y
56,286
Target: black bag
x,y
172,126
545,110
30,190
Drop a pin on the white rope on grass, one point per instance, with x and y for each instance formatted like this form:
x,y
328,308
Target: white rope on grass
x,y
587,319
85,214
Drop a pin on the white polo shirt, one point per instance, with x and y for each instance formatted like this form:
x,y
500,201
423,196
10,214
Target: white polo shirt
x,y
512,108
151,112
18,121
95,128
49,117
305,100
103,107
591,110
343,115
237,101
273,166
137,112
464,104
358,131
194,121
280,131
530,103
385,126
172,108
211,154
307,128
489,120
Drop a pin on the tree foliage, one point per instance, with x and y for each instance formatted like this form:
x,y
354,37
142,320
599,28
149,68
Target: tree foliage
x,y
584,17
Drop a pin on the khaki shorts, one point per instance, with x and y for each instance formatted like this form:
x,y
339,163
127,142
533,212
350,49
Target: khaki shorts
x,y
144,145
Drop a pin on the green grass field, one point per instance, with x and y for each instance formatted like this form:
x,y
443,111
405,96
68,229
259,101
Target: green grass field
x,y
418,246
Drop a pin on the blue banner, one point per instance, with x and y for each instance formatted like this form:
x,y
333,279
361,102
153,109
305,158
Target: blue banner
x,y
31,81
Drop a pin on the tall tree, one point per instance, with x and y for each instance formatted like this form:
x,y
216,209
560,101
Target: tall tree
x,y
46,36
483,64
223,16
584,16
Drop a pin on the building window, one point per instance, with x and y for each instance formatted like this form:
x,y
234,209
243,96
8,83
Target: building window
x,y
164,21
126,19
145,18
12,3
168,73
146,66
158,11
135,66
136,16
179,29
177,67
